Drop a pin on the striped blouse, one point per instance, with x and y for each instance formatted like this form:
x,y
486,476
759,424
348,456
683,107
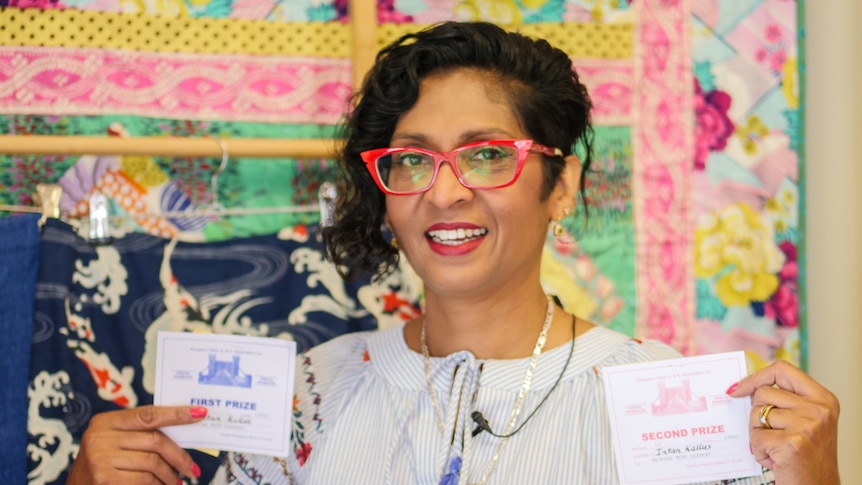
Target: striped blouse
x,y
363,415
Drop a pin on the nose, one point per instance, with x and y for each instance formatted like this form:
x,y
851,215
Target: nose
x,y
447,189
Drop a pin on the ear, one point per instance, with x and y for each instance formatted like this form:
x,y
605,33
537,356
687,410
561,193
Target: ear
x,y
565,193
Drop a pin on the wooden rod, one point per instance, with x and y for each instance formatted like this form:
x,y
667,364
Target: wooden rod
x,y
363,24
164,146
363,27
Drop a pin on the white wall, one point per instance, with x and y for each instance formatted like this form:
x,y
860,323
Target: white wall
x,y
834,218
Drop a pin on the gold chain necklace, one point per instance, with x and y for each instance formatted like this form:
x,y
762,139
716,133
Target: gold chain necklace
x,y
516,410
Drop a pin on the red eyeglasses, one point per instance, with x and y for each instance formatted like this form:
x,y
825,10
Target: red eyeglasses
x,y
482,165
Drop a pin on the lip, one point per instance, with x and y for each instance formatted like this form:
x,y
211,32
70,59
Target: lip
x,y
448,226
457,250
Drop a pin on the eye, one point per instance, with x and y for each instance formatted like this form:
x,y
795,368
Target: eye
x,y
488,158
489,153
411,159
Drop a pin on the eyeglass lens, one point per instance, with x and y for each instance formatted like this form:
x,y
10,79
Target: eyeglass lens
x,y
481,166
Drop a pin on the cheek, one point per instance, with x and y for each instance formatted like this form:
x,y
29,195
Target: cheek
x,y
399,212
524,219
531,222
523,205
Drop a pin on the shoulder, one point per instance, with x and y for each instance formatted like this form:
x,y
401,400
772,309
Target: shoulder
x,y
319,369
339,352
605,347
325,373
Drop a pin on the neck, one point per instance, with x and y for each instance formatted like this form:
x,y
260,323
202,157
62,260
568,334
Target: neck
x,y
490,329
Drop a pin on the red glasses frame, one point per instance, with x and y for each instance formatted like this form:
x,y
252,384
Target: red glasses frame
x,y
524,147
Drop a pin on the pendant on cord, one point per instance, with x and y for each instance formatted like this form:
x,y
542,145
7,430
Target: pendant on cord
x,y
451,478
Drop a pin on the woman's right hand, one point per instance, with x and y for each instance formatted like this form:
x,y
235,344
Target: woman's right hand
x,y
127,447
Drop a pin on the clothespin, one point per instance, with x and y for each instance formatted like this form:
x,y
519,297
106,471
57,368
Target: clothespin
x,y
48,197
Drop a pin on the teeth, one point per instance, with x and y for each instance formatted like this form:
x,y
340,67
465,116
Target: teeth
x,y
453,237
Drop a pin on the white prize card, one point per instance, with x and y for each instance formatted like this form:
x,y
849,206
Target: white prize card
x,y
673,422
246,384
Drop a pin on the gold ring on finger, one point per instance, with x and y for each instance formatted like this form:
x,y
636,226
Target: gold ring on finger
x,y
764,415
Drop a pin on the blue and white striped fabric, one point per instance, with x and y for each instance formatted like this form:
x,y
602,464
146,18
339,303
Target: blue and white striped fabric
x,y
364,415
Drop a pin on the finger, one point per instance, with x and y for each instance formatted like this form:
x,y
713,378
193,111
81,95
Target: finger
x,y
148,417
129,478
121,466
158,445
783,374
776,418
758,446
778,397
797,412
153,417
788,408
115,431
148,465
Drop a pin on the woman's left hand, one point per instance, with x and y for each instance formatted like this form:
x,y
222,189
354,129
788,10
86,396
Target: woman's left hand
x,y
799,440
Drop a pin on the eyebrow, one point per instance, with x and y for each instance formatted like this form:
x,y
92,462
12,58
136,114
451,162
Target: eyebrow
x,y
425,140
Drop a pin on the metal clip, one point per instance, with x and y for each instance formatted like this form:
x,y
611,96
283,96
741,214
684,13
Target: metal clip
x,y
48,197
326,196
225,156
99,220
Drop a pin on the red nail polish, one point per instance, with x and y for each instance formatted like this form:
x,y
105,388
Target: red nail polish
x,y
196,470
180,481
732,388
198,412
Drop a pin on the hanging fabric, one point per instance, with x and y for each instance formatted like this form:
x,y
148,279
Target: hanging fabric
x,y
19,260
102,307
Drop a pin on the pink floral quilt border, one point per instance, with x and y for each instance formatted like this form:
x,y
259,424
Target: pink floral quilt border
x,y
70,81
663,145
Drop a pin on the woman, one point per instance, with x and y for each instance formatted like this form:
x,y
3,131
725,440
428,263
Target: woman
x,y
461,143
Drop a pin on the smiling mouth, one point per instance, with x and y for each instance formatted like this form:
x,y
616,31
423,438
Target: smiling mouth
x,y
454,237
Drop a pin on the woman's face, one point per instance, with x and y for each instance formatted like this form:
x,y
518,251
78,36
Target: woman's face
x,y
462,241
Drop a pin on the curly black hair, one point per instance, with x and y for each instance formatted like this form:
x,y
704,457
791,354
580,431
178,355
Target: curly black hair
x,y
543,89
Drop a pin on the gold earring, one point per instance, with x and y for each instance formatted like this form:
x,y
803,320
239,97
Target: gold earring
x,y
394,243
558,229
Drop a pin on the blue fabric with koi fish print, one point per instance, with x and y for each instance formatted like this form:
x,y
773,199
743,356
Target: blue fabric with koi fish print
x,y
98,310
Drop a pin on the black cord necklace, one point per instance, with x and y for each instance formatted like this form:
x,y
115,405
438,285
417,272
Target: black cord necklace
x,y
482,423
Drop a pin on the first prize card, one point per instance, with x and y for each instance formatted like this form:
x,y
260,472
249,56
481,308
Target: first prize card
x,y
246,384
673,422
